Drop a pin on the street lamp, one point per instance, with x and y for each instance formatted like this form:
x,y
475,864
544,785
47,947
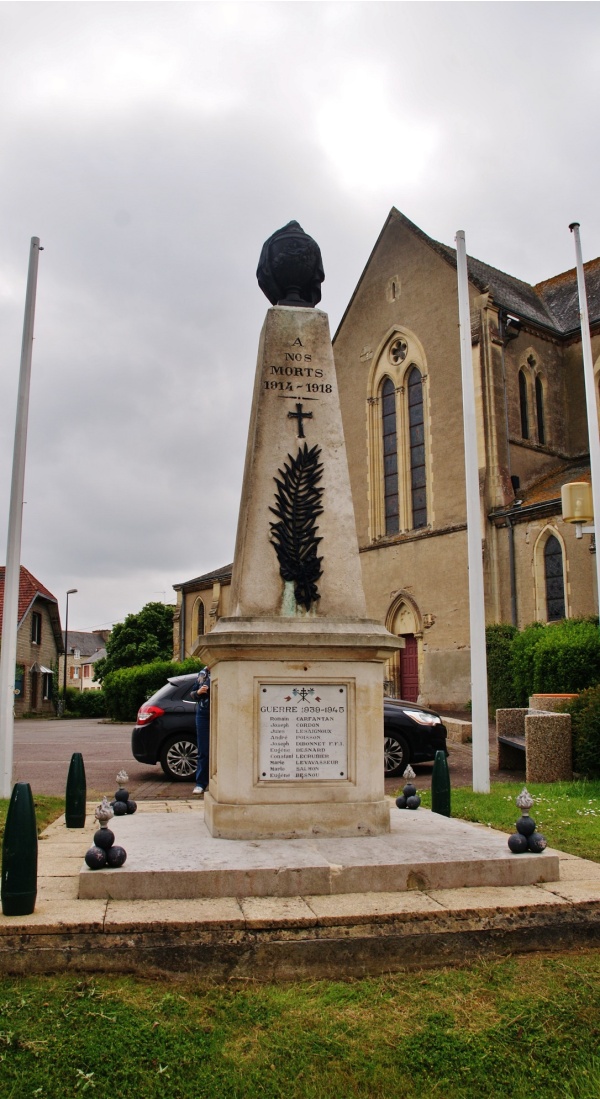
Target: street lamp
x,y
71,591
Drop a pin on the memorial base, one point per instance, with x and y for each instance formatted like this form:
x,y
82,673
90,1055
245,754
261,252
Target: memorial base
x,y
296,728
300,821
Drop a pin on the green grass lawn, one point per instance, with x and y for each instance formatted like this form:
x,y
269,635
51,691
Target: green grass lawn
x,y
47,809
519,1028
567,813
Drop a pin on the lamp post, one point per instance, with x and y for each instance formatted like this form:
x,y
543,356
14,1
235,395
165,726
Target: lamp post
x,y
71,591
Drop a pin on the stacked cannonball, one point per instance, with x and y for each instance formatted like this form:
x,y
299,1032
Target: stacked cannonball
x,y
409,799
105,852
121,802
526,838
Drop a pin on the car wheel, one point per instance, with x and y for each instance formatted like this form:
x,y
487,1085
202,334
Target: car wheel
x,y
396,755
178,758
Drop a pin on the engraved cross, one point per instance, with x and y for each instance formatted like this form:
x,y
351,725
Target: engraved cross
x,y
299,415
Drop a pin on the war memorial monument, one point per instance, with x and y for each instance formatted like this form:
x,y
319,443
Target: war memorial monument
x,y
295,805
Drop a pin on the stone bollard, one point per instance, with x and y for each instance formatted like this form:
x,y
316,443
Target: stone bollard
x,y
440,785
19,854
76,793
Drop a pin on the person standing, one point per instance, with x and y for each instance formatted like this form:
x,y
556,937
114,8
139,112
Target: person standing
x,y
202,693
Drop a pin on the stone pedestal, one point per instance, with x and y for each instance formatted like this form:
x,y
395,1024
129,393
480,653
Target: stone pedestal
x,y
297,670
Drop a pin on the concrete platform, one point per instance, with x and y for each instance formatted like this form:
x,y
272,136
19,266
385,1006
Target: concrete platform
x,y
273,938
175,856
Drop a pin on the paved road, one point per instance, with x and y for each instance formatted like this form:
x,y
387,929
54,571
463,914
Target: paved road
x,y
43,750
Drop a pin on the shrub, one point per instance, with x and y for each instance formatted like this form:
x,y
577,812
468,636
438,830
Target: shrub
x,y
86,703
127,688
501,689
522,661
567,658
585,727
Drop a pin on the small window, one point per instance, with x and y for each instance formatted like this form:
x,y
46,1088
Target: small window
x,y
539,410
36,628
47,686
523,405
555,582
390,457
74,672
200,618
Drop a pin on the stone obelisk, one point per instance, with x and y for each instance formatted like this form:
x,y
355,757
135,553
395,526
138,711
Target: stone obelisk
x,y
297,668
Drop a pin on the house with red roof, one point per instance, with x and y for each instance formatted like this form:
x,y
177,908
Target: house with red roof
x,y
39,643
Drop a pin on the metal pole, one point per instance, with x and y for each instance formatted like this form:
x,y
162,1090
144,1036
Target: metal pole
x,y
10,618
479,693
71,591
590,389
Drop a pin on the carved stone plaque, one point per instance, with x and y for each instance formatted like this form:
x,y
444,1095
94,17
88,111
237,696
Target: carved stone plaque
x,y
303,732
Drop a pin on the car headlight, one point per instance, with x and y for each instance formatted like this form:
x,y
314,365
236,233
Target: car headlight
x,y
423,719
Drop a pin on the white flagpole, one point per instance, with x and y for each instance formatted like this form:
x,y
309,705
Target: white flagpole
x,y
479,693
590,390
10,617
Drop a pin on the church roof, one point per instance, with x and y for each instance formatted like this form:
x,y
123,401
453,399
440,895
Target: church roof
x,y
224,573
553,304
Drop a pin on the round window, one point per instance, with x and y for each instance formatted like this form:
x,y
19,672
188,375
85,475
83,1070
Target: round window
x,y
398,351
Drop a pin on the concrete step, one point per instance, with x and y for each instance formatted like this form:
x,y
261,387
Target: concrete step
x,y
172,855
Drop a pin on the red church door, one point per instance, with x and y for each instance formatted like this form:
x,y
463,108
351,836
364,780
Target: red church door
x,y
409,669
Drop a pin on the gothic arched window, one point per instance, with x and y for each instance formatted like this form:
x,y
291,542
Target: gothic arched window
x,y
555,581
523,405
539,410
416,442
200,618
390,457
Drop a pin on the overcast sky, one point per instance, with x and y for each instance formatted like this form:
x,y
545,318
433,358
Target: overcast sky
x,y
154,146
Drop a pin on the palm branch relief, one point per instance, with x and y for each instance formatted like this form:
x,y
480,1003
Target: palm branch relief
x,y
294,535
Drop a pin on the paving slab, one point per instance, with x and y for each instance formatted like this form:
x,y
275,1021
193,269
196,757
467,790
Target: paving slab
x,y
579,891
222,912
172,855
360,908
494,898
277,912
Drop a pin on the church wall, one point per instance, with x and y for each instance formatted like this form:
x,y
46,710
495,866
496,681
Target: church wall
x,y
576,386
432,572
579,569
426,305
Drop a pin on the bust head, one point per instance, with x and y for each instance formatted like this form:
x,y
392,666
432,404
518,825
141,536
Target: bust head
x,y
290,269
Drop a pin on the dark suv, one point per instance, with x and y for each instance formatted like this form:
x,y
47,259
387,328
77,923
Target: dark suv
x,y
165,732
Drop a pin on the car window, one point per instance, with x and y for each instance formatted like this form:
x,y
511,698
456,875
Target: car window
x,y
168,691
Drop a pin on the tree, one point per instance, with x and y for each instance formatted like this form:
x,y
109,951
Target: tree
x,y
141,639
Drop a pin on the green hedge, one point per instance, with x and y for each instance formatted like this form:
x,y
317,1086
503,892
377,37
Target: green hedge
x,y
126,689
522,661
567,658
85,703
557,658
501,688
585,727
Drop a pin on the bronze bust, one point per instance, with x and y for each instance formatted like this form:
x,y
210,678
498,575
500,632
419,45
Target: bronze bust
x,y
290,268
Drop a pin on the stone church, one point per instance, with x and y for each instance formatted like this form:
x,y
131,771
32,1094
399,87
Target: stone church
x,y
397,358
